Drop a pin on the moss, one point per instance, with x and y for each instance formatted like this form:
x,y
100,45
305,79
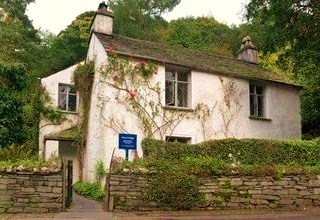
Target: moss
x,y
119,201
71,133
197,60
227,185
246,196
223,196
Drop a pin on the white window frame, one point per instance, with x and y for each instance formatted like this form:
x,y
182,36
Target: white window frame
x,y
66,95
175,83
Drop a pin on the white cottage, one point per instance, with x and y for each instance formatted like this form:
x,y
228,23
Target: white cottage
x,y
193,96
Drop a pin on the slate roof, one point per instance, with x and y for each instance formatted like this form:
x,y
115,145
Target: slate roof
x,y
193,59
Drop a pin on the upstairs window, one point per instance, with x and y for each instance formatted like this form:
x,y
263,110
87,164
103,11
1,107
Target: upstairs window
x,y
177,88
257,105
67,98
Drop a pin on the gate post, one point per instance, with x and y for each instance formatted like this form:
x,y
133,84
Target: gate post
x,y
64,194
69,183
107,190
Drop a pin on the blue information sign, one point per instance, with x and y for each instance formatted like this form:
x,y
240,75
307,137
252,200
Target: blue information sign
x,y
127,142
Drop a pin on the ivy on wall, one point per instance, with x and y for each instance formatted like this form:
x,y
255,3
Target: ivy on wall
x,y
83,77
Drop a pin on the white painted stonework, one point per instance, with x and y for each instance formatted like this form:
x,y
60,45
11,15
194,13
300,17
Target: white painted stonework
x,y
281,111
281,101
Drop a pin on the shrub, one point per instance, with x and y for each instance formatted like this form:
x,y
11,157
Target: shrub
x,y
176,165
239,151
204,165
89,190
99,171
175,188
16,153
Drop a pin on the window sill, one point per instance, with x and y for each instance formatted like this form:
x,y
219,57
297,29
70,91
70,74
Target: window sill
x,y
67,112
259,118
173,108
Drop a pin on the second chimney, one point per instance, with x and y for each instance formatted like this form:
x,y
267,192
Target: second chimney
x,y
103,20
248,52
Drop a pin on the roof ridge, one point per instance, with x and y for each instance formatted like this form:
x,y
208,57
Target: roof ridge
x,y
174,46
197,59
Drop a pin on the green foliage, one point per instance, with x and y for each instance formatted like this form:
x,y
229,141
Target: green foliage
x,y
202,33
89,190
237,151
141,18
175,188
174,167
18,38
15,153
99,171
44,108
16,156
291,27
83,80
12,83
204,165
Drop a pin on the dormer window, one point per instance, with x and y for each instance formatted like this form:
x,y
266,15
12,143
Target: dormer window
x,y
67,98
177,83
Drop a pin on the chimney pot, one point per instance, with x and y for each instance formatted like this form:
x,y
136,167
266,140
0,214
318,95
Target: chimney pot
x,y
248,52
103,20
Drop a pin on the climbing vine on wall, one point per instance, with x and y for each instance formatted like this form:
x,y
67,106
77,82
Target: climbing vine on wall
x,y
137,88
83,80
141,95
230,105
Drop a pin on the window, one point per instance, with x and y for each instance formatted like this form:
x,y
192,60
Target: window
x,y
67,98
256,100
178,139
177,88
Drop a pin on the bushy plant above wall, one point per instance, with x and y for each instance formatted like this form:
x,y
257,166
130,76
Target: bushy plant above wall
x,y
22,159
243,151
174,169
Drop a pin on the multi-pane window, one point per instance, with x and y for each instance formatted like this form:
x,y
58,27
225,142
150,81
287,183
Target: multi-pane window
x,y
178,139
67,98
256,100
177,88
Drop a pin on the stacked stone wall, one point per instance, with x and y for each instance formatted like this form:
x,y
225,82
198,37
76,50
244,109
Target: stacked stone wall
x,y
31,193
127,193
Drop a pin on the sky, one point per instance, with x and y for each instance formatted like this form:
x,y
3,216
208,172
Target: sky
x,y
56,15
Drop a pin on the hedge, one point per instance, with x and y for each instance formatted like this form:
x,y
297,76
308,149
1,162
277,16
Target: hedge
x,y
175,168
242,151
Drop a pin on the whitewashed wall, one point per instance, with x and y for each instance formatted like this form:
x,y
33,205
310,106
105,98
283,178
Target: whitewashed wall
x,y
50,84
282,108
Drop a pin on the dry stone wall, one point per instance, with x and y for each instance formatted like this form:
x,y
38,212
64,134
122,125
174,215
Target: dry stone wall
x,y
224,192
31,193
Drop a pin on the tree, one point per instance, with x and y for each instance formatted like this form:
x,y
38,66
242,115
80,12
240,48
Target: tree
x,y
292,26
140,18
12,83
202,33
68,48
18,38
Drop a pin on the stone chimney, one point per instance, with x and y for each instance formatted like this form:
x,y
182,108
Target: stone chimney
x,y
248,52
103,20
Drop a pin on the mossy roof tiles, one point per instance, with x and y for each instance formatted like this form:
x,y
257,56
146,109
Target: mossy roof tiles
x,y
193,59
